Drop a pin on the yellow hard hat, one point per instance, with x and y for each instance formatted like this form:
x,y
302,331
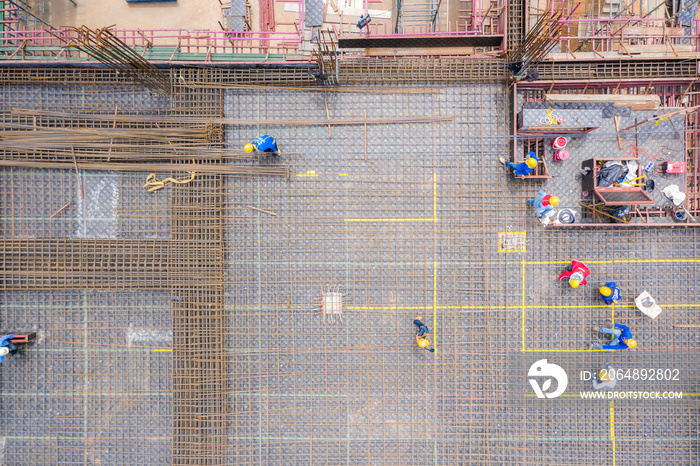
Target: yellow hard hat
x,y
531,163
631,342
423,342
605,291
574,283
554,200
604,375
248,148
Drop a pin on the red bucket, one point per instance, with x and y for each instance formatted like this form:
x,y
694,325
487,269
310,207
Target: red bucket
x,y
559,142
561,155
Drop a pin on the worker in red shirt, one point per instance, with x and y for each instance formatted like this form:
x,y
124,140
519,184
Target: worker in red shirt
x,y
576,273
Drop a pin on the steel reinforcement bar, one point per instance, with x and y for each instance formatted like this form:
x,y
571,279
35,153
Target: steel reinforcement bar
x,y
101,264
421,71
354,71
198,321
200,371
604,70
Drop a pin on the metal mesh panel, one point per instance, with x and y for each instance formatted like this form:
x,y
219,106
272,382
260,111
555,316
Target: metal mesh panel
x,y
183,326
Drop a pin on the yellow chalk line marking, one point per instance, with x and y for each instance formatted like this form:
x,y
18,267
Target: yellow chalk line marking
x,y
434,219
523,303
524,233
435,196
308,173
612,314
632,261
162,350
624,306
342,174
612,432
561,350
391,220
577,395
421,308
566,262
435,305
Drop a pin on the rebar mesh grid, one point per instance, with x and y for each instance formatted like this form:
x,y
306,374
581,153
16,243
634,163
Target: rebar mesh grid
x,y
614,70
420,71
96,386
410,227
361,391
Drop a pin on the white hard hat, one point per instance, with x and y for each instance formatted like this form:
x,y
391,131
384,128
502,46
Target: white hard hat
x,y
4,351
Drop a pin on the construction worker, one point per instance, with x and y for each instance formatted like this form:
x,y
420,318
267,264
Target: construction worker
x,y
423,335
607,379
609,293
522,168
543,203
576,273
6,346
264,144
622,339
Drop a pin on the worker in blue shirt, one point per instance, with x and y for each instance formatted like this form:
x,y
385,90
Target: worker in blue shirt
x,y
264,144
609,293
6,346
622,339
423,335
543,203
522,168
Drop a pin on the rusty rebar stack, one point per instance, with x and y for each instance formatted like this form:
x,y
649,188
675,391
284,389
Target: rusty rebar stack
x,y
108,49
539,41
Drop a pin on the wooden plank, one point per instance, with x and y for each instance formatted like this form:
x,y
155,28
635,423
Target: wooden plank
x,y
651,31
387,51
621,99
660,48
563,56
638,106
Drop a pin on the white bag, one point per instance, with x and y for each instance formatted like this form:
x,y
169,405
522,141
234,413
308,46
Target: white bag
x,y
647,305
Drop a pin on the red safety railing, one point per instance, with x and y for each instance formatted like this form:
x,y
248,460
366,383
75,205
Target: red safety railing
x,y
627,36
177,40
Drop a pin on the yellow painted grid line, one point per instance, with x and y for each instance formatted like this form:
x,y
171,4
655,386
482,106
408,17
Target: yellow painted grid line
x,y
612,432
612,314
523,302
578,395
435,196
561,350
390,220
421,308
624,306
524,233
435,305
631,261
434,219
565,262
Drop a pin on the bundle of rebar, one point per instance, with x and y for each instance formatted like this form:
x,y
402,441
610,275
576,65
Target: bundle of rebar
x,y
326,57
539,41
127,144
108,49
222,169
30,142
